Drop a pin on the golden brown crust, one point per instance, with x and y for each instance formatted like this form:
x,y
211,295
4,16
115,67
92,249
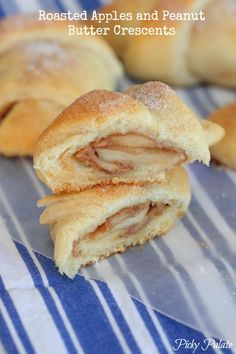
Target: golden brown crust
x,y
92,108
161,94
100,105
225,150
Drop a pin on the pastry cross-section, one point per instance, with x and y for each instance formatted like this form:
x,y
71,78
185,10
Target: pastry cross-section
x,y
109,137
100,221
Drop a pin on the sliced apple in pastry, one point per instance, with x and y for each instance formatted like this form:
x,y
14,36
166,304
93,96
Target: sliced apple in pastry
x,y
107,137
92,224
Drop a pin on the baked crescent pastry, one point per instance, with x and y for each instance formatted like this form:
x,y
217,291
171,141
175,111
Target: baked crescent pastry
x,y
198,51
42,71
95,223
114,137
225,150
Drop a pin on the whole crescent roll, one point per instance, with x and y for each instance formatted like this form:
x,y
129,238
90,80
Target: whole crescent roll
x,y
95,223
109,137
43,70
199,50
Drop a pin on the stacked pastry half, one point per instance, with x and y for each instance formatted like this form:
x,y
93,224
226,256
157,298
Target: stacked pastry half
x,y
113,161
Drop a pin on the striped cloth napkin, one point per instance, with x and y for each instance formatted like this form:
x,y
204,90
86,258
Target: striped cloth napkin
x,y
44,312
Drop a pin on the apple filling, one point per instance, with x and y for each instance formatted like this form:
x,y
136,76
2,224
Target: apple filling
x,y
121,153
126,222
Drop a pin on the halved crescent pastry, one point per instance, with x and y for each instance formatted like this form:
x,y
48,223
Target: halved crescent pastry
x,y
108,137
95,223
